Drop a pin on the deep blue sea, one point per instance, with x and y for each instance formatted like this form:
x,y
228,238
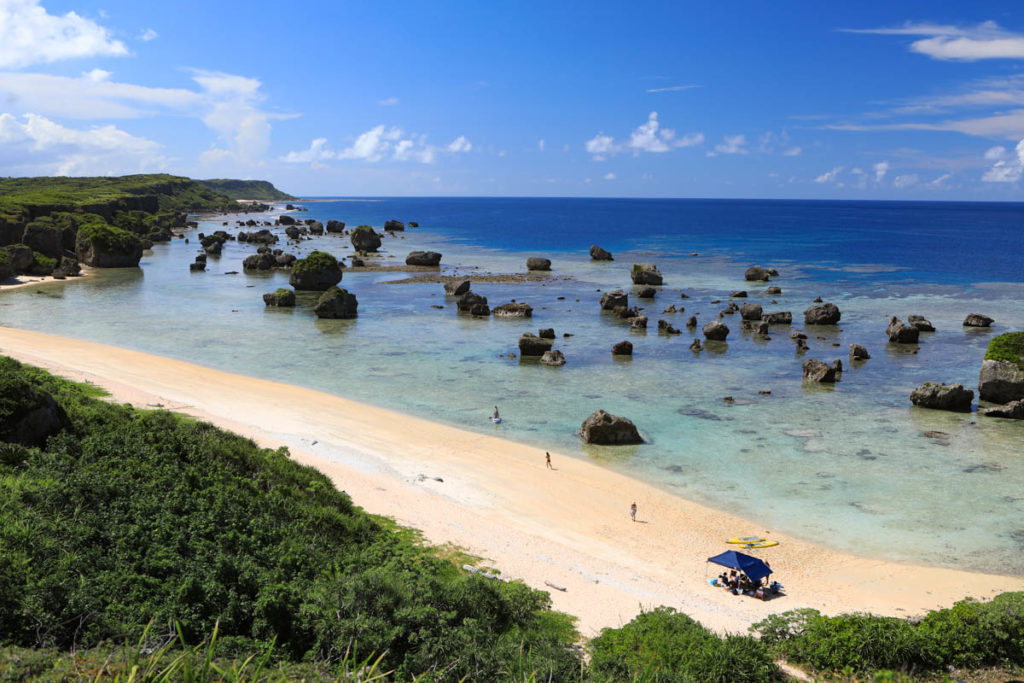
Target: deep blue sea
x,y
852,465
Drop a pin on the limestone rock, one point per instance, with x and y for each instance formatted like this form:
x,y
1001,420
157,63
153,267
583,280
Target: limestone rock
x,y
1014,410
1000,381
645,274
423,258
607,429
858,352
977,320
623,348
756,274
532,345
264,261
825,314
456,288
715,331
900,333
365,239
817,371
473,303
317,272
751,311
546,333
611,300
665,327
638,322
778,318
538,263
599,254
334,226
921,323
512,310
394,226
284,298
942,397
554,358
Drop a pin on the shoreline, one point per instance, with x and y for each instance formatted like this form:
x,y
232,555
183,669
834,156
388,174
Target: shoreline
x,y
495,499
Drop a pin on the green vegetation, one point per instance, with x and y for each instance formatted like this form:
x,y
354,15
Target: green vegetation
x,y
107,237
246,189
6,267
1008,347
41,264
664,645
316,262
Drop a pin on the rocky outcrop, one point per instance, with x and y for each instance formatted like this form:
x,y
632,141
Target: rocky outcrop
x,y
30,414
263,261
751,311
921,323
1000,381
284,260
553,358
317,272
818,371
512,310
365,239
423,258
645,274
825,314
104,246
285,219
316,227
292,232
538,263
456,288
942,397
715,331
284,298
977,320
532,345
612,300
638,322
858,352
900,333
21,257
334,226
756,274
547,333
773,290
610,430
394,226
599,254
1014,410
413,224
474,304
778,318
336,303
46,239
623,348
646,293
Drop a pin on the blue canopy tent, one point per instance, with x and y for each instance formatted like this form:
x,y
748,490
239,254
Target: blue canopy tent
x,y
754,568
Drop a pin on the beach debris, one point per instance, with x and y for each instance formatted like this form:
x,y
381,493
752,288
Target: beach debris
x,y
623,348
645,274
532,345
602,427
554,358
715,331
900,333
556,586
484,573
818,371
612,300
943,397
599,254
538,263
756,274
423,258
826,314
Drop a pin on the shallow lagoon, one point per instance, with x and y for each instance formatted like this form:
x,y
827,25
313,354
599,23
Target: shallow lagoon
x,y
848,465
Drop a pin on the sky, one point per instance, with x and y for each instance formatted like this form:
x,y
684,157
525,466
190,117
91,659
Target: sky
x,y
867,100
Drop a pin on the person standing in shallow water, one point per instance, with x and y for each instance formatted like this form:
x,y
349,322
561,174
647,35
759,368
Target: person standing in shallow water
x,y
496,416
632,511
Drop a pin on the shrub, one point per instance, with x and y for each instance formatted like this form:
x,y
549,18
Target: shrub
x,y
1007,347
317,261
107,237
41,264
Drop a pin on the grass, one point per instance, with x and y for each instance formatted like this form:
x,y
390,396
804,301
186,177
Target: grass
x,y
1007,347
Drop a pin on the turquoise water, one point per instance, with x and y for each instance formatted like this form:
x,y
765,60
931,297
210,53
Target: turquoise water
x,y
848,465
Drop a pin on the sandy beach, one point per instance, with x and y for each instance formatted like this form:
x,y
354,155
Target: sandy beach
x,y
493,498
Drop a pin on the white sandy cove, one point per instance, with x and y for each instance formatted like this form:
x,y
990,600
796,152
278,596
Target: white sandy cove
x,y
569,526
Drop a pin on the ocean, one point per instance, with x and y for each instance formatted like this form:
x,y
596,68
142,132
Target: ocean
x,y
853,466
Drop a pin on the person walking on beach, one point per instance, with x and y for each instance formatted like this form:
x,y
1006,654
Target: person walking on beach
x,y
547,460
632,511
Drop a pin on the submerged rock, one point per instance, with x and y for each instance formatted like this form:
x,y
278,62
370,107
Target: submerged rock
x,y
818,371
532,345
900,333
513,310
604,428
623,348
599,254
977,320
554,358
336,303
942,397
715,331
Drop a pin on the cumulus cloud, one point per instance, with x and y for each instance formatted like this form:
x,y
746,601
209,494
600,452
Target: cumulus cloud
x,y
647,137
732,144
906,180
609,176
1007,167
829,176
881,168
379,143
600,146
987,40
38,145
31,35
232,109
148,35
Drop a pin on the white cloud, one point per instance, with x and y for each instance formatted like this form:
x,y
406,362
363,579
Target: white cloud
x,y
388,102
995,153
600,146
829,176
733,144
609,176
1006,124
541,144
460,144
689,140
987,40
97,75
939,182
647,137
674,88
793,152
30,35
232,110
148,35
39,146
881,168
1008,168
906,180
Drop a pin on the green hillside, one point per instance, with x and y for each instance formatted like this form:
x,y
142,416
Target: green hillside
x,y
247,189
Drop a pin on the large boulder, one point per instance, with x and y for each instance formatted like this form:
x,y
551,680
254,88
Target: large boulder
x,y
977,320
532,345
21,257
645,274
778,318
623,348
819,371
104,246
456,287
756,274
538,263
263,261
316,227
473,303
900,333
285,298
825,314
316,272
335,226
1014,410
646,293
921,323
6,270
394,226
1002,371
365,239
715,331
67,267
611,430
599,254
942,397
285,219
858,352
285,260
423,258
612,300
336,303
512,310
46,239
751,311
292,232
554,358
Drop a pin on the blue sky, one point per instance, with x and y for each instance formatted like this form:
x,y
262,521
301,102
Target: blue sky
x,y
909,100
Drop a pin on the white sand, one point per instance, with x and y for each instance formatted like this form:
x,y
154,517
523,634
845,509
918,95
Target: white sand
x,y
569,526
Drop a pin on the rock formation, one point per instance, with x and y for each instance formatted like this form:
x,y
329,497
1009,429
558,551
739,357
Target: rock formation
x,y
317,272
900,333
607,429
512,310
423,258
645,274
336,303
942,397
599,254
715,331
817,371
538,263
825,314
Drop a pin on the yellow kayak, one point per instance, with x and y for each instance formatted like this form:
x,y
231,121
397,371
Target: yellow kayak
x,y
761,544
746,540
